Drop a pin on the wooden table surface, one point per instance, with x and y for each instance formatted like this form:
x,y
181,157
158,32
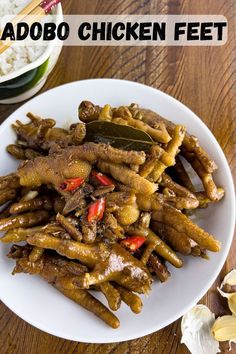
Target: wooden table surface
x,y
203,78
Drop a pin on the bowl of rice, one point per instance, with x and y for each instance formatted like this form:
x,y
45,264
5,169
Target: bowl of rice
x,y
24,69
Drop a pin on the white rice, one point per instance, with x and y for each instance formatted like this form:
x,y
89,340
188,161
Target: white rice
x,y
16,57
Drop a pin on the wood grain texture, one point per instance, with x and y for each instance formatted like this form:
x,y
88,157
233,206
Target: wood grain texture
x,y
204,79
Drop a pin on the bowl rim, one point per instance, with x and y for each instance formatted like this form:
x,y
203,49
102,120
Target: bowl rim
x,y
43,57
220,264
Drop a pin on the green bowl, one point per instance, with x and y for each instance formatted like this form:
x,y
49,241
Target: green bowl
x,y
22,83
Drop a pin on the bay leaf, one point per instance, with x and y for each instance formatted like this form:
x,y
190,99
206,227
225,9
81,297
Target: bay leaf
x,y
118,136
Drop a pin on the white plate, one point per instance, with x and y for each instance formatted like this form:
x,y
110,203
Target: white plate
x,y
42,306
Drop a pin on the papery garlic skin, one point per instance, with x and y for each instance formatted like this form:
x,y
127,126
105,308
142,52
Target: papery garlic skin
x,y
196,331
229,279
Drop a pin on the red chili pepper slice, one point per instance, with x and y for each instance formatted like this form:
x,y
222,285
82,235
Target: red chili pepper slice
x,y
133,242
104,180
72,184
96,210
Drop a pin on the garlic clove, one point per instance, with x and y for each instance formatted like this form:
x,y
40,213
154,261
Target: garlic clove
x,y
232,303
196,331
29,196
224,328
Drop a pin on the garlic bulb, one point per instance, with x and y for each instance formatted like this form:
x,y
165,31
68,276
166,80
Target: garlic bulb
x,y
196,331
